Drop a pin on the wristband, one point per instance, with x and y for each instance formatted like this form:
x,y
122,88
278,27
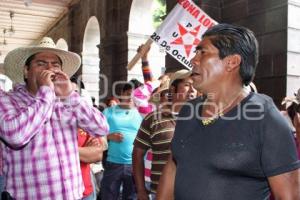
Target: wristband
x,y
145,63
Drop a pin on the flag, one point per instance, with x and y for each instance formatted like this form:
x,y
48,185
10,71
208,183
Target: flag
x,y
181,31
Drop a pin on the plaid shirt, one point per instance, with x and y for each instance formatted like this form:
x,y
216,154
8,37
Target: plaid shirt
x,y
1,158
42,161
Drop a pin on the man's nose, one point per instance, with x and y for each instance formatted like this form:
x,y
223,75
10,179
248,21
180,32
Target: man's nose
x,y
191,89
50,66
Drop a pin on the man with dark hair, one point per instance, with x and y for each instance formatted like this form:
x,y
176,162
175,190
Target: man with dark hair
x,y
234,144
124,121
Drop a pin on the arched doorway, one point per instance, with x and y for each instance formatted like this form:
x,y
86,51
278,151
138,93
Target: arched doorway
x,y
90,58
141,26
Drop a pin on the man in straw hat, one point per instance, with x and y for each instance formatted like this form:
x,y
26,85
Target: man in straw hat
x,y
39,121
234,145
157,129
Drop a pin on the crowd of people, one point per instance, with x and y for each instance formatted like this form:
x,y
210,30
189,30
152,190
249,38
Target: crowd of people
x,y
207,133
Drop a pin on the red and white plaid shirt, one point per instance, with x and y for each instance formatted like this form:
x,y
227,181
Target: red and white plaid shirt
x,y
43,160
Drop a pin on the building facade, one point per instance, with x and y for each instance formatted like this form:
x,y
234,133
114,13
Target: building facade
x,y
101,31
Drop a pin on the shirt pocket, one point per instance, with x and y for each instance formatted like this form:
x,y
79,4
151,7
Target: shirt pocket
x,y
63,114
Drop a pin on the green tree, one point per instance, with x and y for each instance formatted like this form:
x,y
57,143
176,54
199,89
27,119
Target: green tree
x,y
159,12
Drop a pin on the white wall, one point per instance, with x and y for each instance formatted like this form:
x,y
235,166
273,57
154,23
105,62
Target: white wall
x,y
140,29
293,48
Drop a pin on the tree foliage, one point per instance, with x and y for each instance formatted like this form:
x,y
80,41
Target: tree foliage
x,y
159,12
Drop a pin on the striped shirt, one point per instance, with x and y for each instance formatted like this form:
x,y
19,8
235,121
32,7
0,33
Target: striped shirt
x,y
156,133
42,161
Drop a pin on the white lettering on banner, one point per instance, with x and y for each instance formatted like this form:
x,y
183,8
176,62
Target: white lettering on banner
x,y
181,31
202,17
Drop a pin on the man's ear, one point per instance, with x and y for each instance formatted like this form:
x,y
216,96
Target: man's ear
x,y
233,62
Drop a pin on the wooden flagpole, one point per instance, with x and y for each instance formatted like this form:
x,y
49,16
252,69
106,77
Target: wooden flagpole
x,y
138,56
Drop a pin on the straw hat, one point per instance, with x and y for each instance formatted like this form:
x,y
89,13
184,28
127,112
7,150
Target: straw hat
x,y
164,85
180,74
169,79
15,60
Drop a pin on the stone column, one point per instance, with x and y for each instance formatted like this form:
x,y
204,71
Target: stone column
x,y
268,20
113,62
